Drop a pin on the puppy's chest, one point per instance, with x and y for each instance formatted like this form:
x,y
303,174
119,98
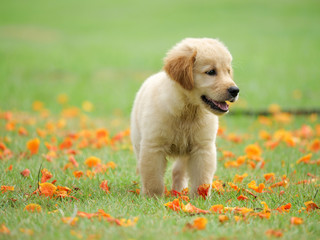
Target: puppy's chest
x,y
181,142
184,134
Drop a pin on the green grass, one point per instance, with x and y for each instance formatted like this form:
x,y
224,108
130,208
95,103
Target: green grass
x,y
101,51
155,221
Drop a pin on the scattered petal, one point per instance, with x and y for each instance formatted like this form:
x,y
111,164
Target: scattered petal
x,y
25,172
203,190
104,186
92,161
223,218
310,206
296,221
6,189
274,233
32,207
33,145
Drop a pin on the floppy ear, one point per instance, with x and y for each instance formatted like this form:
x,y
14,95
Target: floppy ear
x,y
179,66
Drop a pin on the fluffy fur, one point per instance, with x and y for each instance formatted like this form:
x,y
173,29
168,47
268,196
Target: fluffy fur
x,y
175,115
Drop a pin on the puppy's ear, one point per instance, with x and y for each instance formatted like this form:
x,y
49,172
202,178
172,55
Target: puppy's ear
x,y
179,66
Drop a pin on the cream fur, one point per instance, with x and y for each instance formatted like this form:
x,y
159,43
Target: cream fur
x,y
169,118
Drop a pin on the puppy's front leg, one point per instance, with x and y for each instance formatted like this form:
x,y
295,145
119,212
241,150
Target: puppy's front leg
x,y
201,168
179,174
152,165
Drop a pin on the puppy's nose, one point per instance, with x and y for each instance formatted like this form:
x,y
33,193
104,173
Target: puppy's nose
x,y
233,91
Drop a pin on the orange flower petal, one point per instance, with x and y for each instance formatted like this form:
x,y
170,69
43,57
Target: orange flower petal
x,y
284,208
47,189
200,223
242,198
46,175
33,145
174,205
25,172
253,150
104,186
274,233
70,220
223,218
239,178
310,205
78,174
6,188
269,177
4,229
32,207
92,161
189,208
296,221
203,190
217,208
305,159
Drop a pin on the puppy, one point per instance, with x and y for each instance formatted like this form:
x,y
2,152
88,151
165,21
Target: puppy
x,y
175,114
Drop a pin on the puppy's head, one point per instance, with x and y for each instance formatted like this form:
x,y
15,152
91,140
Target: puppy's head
x,y
202,67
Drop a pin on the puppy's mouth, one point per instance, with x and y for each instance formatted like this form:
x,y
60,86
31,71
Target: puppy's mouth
x,y
218,106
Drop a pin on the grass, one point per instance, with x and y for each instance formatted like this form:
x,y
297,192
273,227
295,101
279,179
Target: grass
x,y
100,51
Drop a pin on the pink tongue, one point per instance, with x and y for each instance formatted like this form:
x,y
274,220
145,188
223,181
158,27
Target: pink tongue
x,y
222,105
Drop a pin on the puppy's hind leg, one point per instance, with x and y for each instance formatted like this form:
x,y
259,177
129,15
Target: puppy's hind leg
x,y
152,165
179,174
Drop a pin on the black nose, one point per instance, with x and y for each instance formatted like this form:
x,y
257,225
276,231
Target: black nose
x,y
233,91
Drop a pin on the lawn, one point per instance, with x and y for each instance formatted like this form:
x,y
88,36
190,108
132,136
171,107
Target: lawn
x,y
69,71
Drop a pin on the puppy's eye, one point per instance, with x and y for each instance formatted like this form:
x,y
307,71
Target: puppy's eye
x,y
212,72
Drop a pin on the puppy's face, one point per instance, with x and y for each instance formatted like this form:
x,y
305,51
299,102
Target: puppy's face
x,y
203,68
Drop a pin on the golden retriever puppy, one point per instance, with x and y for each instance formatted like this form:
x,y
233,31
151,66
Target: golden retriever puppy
x,y
175,115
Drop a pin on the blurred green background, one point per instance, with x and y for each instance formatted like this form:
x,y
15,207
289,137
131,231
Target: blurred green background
x,y
101,51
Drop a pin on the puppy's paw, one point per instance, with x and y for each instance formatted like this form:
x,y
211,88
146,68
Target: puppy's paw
x,y
153,192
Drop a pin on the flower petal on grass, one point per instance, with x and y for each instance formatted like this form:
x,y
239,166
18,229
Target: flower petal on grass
x,y
305,159
217,208
32,207
174,205
33,145
203,190
46,175
310,206
25,172
47,189
223,218
78,174
296,221
200,223
269,177
284,208
239,178
4,229
92,161
6,189
70,220
189,208
87,215
253,151
242,198
274,233
256,188
315,145
104,186
26,231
